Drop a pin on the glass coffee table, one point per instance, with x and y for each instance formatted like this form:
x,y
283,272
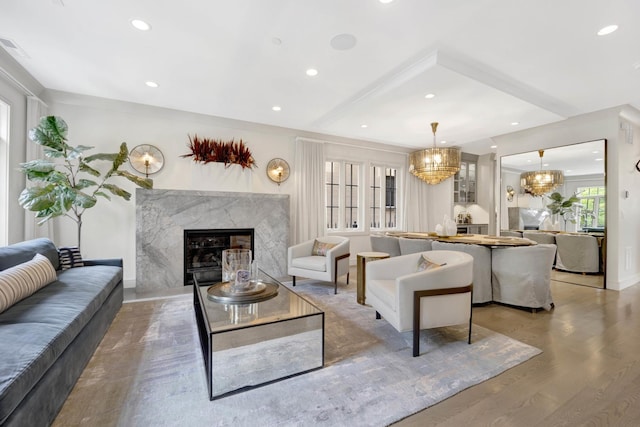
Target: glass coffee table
x,y
248,344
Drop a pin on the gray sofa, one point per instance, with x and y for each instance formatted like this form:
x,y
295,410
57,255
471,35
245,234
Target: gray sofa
x,y
47,338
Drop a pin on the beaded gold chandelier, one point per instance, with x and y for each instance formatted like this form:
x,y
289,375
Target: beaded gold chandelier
x,y
434,165
541,182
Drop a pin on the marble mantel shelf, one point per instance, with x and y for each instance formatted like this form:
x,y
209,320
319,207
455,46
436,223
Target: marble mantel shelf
x,y
163,215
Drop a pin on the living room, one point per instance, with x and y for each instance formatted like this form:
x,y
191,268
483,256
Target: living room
x,y
104,122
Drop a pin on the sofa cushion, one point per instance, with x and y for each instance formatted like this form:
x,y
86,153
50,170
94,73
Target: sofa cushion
x,y
22,280
316,263
70,257
37,330
24,251
321,248
425,263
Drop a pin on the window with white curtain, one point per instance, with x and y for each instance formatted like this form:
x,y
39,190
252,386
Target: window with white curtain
x,y
361,196
383,189
342,195
4,172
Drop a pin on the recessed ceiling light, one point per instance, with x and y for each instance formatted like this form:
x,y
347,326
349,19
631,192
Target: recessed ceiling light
x,y
595,152
607,30
364,126
443,142
151,84
140,25
515,123
276,108
312,72
599,160
494,146
385,1
569,170
545,164
430,95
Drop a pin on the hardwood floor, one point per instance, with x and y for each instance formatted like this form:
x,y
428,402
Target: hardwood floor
x,y
588,373
592,280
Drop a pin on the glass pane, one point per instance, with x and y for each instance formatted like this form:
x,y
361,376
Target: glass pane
x,y
472,171
375,197
332,194
351,176
601,212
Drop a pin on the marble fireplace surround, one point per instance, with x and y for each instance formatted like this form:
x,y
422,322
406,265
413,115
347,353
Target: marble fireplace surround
x,y
163,215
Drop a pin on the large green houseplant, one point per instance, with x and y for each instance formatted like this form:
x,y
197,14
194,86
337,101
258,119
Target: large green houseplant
x,y
64,180
560,206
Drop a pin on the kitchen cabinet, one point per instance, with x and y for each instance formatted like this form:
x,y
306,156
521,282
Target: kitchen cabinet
x,y
473,228
465,180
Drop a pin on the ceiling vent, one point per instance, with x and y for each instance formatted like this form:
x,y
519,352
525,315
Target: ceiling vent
x,y
12,47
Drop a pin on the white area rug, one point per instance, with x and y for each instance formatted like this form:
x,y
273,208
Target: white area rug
x,y
149,371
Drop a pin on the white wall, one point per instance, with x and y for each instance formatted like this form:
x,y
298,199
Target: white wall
x,y
623,225
109,228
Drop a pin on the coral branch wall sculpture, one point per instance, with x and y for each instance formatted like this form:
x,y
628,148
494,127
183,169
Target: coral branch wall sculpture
x,y
206,150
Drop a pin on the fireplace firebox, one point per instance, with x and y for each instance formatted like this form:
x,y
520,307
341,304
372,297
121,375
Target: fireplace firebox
x,y
203,251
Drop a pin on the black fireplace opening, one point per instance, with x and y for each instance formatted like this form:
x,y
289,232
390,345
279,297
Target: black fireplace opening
x,y
203,251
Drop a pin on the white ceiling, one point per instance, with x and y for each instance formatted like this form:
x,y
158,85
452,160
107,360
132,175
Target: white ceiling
x,y
489,62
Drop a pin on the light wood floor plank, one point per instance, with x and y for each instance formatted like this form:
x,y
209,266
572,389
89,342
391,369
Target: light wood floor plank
x,y
589,373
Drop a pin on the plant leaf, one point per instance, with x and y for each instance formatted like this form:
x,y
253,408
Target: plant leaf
x,y
38,198
84,183
51,132
101,156
50,152
140,182
103,194
84,167
42,166
117,191
84,200
121,158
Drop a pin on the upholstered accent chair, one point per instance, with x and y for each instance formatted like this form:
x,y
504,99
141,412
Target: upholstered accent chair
x,y
387,244
324,258
411,300
578,253
482,291
411,246
521,276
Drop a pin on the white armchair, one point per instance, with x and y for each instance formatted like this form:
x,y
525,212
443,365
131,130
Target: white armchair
x,y
328,267
411,300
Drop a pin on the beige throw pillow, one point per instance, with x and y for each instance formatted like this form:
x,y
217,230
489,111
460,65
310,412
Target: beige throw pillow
x,y
321,248
425,263
22,280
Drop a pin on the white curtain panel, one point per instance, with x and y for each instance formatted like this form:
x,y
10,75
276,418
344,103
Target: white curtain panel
x,y
35,110
308,218
416,204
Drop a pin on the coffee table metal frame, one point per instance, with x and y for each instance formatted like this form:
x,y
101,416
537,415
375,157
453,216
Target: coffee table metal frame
x,y
250,345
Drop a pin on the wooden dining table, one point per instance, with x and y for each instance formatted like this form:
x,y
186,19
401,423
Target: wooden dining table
x,y
470,239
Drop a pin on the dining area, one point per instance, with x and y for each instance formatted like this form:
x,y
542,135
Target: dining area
x,y
508,270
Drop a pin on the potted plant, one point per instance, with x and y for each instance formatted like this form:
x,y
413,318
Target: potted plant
x,y
560,206
64,184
